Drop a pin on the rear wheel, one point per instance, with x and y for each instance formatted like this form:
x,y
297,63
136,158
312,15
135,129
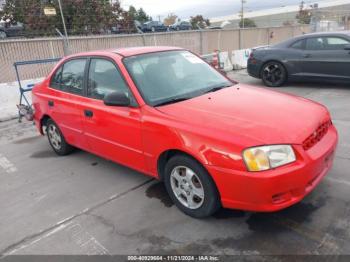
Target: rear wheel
x,y
274,74
56,139
191,187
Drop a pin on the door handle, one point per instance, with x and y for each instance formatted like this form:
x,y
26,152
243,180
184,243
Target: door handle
x,y
88,113
307,55
50,103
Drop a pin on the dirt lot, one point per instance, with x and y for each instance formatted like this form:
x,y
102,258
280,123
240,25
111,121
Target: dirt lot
x,y
82,204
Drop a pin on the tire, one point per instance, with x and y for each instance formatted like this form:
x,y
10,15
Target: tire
x,y
274,74
191,187
177,28
153,29
2,35
56,139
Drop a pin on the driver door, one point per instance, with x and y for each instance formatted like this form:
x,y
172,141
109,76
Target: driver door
x,y
325,57
112,132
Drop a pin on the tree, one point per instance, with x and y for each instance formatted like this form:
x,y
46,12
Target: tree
x,y
247,23
170,19
132,12
304,14
142,17
81,16
199,22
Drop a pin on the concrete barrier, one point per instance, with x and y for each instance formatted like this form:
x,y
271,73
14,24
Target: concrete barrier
x,y
239,58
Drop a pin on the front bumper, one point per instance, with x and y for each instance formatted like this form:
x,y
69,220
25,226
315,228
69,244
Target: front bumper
x,y
254,67
282,187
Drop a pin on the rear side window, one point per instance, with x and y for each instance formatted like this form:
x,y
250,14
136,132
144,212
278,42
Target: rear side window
x,y
315,43
70,77
73,76
56,79
298,45
104,78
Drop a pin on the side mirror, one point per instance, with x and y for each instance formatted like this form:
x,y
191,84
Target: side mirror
x,y
117,98
347,47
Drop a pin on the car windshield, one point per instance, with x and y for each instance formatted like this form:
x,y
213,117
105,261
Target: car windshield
x,y
168,77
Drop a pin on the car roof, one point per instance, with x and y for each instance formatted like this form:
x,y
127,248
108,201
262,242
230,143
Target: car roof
x,y
305,36
328,33
129,51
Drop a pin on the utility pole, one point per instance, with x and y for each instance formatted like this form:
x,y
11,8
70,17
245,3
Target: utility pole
x,y
64,23
242,13
241,25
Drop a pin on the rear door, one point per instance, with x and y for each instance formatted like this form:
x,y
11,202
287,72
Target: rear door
x,y
113,132
325,57
66,89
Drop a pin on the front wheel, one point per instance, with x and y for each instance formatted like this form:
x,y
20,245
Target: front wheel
x,y
274,74
56,139
190,187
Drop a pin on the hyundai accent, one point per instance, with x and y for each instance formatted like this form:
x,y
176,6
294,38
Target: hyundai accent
x,y
165,112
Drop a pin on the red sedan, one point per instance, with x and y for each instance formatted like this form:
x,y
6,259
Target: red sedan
x,y
166,113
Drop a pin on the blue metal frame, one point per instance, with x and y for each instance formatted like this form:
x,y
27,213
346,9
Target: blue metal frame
x,y
29,87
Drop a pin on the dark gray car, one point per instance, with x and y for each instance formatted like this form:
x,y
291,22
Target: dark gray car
x,y
315,57
10,30
153,26
181,25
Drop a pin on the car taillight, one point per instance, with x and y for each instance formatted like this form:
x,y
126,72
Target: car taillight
x,y
251,56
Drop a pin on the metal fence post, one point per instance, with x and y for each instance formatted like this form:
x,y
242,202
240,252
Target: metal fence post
x,y
240,38
143,39
201,41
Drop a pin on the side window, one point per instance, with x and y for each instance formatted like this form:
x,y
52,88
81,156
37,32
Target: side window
x,y
315,43
298,45
73,76
336,43
56,79
105,78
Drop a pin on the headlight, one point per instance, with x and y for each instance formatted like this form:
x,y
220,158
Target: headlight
x,y
268,157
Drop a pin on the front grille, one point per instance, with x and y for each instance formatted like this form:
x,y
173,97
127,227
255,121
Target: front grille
x,y
316,136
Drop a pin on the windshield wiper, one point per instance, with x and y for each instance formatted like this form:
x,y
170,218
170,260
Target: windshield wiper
x,y
172,101
216,88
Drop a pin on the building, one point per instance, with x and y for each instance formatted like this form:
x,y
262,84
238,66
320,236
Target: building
x,y
335,11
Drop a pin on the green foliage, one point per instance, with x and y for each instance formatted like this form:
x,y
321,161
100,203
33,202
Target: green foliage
x,y
138,15
199,21
247,23
304,15
81,16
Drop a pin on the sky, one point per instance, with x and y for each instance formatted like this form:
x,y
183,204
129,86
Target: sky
x,y
209,8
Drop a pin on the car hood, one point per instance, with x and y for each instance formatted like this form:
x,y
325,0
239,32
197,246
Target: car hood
x,y
257,114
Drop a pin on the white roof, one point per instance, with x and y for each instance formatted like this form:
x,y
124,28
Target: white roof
x,y
278,10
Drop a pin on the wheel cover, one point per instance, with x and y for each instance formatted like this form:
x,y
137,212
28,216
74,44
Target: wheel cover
x,y
273,74
187,187
55,137
2,35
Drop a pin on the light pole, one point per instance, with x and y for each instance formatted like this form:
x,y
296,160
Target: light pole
x,y
242,12
242,24
64,23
